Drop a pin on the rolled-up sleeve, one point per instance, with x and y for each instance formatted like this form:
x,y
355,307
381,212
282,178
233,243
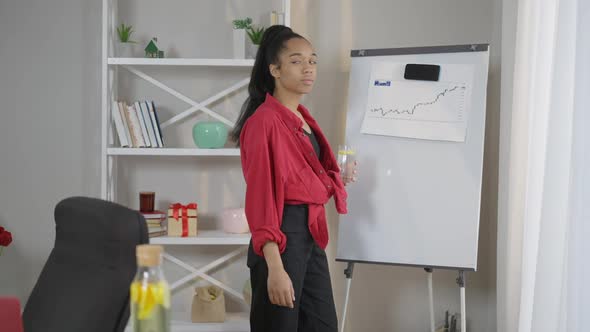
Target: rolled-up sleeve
x,y
264,186
333,171
340,194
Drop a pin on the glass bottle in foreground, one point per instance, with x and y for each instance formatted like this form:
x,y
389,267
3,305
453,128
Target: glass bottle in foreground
x,y
150,294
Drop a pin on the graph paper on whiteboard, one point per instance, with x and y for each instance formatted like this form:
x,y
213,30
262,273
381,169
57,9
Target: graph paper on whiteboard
x,y
418,109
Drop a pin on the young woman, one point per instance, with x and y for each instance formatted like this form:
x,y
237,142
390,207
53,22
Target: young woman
x,y
290,173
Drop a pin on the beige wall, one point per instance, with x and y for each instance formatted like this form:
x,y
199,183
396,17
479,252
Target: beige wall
x,y
49,132
387,298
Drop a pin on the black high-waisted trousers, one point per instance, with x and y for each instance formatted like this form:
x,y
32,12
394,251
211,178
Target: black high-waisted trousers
x,y
307,266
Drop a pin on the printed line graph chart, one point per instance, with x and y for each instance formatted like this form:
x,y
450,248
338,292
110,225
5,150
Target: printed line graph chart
x,y
417,109
417,101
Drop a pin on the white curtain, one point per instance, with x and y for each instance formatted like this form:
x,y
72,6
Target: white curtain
x,y
578,277
543,255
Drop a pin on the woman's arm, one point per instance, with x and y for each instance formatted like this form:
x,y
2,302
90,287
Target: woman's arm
x,y
264,184
264,199
280,287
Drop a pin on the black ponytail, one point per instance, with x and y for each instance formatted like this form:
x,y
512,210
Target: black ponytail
x,y
261,81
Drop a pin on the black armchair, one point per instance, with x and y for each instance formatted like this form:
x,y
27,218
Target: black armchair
x,y
84,285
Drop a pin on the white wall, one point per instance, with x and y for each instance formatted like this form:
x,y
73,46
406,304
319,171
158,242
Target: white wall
x,y
49,71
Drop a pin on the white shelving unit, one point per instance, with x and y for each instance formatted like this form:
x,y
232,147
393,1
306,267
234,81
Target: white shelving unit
x,y
235,322
182,62
205,237
171,152
111,154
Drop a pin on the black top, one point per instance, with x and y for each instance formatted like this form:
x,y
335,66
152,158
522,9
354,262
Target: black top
x,y
292,210
298,210
314,142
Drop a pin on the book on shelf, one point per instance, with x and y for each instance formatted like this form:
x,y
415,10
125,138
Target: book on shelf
x,y
137,125
122,110
148,123
155,123
155,229
156,214
142,125
156,234
120,126
134,128
156,222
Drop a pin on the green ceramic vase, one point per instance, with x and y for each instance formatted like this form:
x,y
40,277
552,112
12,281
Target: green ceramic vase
x,y
210,134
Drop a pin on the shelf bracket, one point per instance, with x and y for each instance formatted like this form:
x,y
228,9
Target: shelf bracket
x,y
195,106
202,272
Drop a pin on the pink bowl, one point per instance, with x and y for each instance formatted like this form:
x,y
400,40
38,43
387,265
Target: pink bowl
x,y
234,221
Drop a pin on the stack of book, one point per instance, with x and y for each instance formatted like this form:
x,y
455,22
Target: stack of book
x,y
156,223
137,125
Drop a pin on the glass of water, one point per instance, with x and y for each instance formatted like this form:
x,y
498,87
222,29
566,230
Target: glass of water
x,y
346,160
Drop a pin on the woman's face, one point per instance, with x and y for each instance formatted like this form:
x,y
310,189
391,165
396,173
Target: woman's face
x,y
297,70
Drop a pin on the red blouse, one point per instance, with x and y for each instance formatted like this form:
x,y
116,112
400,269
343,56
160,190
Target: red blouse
x,y
280,167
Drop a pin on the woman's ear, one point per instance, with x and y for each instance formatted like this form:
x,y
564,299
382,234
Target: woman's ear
x,y
274,71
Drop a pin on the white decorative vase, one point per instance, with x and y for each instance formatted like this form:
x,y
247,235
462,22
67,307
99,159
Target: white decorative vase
x,y
125,50
234,221
252,51
239,43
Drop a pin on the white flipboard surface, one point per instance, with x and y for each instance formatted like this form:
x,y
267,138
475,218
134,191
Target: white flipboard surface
x,y
420,152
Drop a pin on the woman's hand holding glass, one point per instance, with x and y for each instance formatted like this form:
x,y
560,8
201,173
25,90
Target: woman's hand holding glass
x,y
347,163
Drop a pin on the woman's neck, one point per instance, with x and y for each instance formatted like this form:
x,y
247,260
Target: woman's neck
x,y
290,100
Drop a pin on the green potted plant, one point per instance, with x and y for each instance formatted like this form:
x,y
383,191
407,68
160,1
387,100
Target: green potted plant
x,y
240,27
125,46
255,35
242,24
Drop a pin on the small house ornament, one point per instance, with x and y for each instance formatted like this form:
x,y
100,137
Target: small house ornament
x,y
152,51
